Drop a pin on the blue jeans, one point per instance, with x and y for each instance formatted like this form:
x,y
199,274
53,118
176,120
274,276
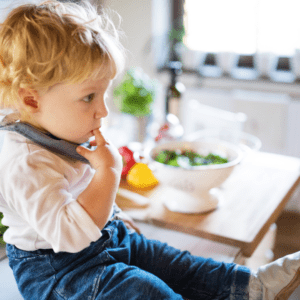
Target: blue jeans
x,y
125,265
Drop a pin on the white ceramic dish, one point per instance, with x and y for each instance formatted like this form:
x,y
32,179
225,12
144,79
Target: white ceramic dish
x,y
194,190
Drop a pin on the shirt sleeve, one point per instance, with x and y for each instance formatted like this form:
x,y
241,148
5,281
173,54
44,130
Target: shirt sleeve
x,y
40,195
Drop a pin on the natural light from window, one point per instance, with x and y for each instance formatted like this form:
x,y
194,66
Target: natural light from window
x,y
243,26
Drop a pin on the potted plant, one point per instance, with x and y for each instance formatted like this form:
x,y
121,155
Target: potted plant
x,y
135,96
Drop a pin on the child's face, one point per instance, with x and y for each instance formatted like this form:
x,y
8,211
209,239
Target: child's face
x,y
71,112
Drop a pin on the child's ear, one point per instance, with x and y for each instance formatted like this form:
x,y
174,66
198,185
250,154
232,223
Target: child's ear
x,y
30,99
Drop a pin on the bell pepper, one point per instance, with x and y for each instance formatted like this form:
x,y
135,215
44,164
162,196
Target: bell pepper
x,y
140,176
128,160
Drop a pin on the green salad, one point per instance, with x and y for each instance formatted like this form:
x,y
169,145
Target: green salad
x,y
187,159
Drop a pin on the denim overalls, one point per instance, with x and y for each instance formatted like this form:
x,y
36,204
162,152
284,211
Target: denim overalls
x,y
122,264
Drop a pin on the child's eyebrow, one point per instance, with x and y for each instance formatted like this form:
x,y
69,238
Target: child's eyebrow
x,y
91,88
95,87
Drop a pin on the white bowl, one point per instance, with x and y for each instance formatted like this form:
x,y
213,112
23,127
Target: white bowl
x,y
194,189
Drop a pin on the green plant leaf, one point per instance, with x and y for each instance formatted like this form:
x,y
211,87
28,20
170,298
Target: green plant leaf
x,y
135,94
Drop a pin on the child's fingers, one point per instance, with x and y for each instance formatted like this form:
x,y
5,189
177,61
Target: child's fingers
x,y
93,143
82,151
100,140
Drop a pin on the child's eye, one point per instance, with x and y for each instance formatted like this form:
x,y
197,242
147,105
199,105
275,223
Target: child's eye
x,y
89,98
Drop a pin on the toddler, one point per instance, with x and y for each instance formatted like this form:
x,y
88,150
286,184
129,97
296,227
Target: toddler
x,y
66,239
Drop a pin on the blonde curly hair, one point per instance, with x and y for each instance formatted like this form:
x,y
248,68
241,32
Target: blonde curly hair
x,y
53,42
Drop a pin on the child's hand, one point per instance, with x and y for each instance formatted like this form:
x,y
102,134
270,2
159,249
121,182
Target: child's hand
x,y
105,155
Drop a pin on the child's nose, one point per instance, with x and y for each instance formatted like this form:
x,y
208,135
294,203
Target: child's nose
x,y
101,112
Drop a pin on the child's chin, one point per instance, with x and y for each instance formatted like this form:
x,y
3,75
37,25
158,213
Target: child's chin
x,y
78,141
82,141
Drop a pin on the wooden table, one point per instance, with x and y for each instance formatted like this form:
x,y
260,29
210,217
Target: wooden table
x,y
254,196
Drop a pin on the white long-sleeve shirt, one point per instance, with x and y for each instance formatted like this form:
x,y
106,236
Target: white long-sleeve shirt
x,y
38,192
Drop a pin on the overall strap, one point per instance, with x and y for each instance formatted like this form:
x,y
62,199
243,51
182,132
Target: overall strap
x,y
46,140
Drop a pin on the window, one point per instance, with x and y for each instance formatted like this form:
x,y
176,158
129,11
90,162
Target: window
x,y
247,28
243,26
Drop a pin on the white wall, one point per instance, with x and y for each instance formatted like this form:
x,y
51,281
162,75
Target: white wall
x,y
137,26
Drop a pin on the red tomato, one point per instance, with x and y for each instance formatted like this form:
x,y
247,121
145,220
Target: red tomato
x,y
128,160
